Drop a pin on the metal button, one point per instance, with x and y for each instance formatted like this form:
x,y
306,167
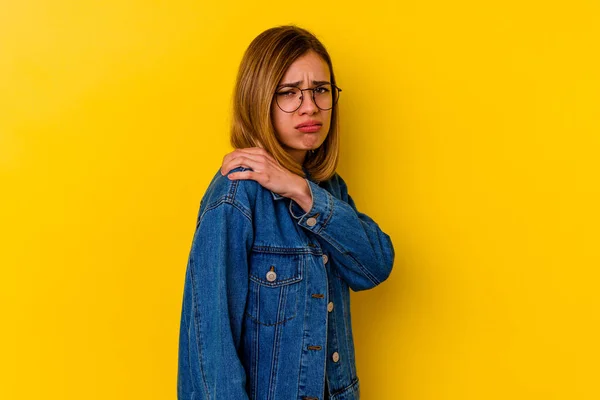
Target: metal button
x,y
271,275
311,221
325,258
330,306
335,357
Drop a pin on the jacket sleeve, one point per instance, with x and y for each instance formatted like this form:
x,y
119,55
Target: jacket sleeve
x,y
363,253
214,300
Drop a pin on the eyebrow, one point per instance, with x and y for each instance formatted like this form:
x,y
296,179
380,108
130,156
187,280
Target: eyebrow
x,y
299,82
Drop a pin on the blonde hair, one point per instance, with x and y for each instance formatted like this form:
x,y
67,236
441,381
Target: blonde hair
x,y
263,66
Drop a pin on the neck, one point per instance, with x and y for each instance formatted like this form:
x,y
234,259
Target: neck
x,y
298,155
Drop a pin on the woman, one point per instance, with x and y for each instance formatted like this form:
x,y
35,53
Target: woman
x,y
279,242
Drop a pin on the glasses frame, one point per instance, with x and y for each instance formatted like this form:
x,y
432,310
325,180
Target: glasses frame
x,y
333,87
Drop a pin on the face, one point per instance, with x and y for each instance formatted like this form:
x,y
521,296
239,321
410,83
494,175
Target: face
x,y
307,127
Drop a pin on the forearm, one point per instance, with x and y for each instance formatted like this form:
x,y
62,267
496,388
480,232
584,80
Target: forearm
x,y
363,252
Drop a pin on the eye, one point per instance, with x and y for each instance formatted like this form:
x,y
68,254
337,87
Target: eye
x,y
321,89
287,92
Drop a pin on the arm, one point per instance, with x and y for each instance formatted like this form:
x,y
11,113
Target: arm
x,y
214,299
361,250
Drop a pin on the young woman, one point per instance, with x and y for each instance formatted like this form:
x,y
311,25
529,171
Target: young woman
x,y
279,241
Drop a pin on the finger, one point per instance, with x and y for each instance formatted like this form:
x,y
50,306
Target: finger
x,y
246,162
244,175
254,150
237,152
257,151
226,159
248,155
239,159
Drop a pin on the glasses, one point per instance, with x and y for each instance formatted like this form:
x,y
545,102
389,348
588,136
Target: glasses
x,y
289,98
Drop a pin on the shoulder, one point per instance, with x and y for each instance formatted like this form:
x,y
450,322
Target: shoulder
x,y
238,193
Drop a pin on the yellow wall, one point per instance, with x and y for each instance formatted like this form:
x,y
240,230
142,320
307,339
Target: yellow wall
x,y
470,133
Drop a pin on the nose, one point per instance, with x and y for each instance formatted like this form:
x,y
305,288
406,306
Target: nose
x,y
308,105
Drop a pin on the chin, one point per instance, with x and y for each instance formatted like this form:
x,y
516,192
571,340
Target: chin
x,y
313,143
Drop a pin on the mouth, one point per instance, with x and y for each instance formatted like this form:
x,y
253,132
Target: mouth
x,y
309,126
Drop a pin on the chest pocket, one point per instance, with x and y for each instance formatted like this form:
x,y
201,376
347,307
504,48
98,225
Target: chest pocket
x,y
275,281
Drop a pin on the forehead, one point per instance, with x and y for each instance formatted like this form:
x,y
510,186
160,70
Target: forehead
x,y
308,66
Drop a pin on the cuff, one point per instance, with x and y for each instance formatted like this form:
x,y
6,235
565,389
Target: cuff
x,y
319,215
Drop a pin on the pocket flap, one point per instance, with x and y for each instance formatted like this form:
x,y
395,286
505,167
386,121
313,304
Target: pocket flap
x,y
275,269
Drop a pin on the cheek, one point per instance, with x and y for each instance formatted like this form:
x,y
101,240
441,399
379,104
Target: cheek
x,y
280,120
327,120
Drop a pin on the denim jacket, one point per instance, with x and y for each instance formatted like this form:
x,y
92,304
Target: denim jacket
x,y
266,303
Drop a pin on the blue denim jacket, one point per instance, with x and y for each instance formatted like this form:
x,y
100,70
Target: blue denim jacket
x,y
266,303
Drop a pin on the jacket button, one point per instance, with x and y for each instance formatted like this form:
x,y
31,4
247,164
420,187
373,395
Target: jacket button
x,y
335,357
325,258
311,221
271,275
330,306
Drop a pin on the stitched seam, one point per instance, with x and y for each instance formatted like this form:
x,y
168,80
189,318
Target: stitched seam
x,y
242,209
256,354
303,337
282,282
329,297
188,325
276,346
347,389
331,205
337,340
282,250
345,317
233,187
234,204
256,319
198,336
290,206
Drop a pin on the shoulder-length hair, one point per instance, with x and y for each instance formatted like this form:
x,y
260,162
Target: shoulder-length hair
x,y
263,66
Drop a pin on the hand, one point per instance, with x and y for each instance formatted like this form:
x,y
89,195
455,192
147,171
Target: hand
x,y
268,173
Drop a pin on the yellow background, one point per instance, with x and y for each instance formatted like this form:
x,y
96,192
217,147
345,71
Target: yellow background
x,y
470,134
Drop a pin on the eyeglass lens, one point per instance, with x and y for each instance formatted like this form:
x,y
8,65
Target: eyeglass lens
x,y
290,98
